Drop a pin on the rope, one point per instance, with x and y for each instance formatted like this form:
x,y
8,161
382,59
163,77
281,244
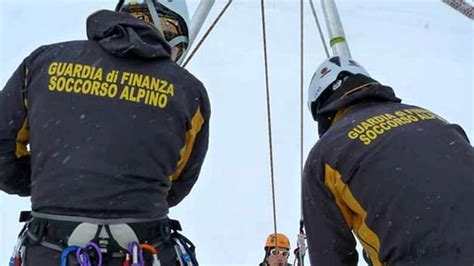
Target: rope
x,y
319,28
214,23
301,89
269,119
299,258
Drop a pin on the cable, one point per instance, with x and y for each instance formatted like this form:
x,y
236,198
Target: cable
x,y
269,119
319,28
301,86
299,255
214,23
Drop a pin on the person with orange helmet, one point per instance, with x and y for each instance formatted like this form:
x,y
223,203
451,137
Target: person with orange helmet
x,y
277,250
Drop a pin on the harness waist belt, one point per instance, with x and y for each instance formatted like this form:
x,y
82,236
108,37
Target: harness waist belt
x,y
114,238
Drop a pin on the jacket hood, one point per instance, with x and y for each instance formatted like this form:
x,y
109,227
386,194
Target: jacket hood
x,y
126,36
356,89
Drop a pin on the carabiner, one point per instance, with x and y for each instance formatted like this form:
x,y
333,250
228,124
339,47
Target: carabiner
x,y
154,253
83,257
136,252
65,253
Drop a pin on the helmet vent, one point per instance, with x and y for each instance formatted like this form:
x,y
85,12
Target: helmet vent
x,y
336,60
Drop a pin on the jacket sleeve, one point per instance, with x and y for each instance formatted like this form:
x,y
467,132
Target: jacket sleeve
x,y
197,141
461,131
15,169
330,240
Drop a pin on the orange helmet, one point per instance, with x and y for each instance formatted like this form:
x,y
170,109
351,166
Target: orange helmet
x,y
280,241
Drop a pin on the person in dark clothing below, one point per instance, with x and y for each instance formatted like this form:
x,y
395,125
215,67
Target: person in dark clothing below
x,y
397,176
277,250
117,132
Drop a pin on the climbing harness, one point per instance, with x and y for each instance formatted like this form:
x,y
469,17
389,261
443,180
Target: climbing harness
x,y
95,244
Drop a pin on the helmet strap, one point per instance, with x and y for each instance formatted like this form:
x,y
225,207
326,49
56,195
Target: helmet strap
x,y
177,40
154,16
119,5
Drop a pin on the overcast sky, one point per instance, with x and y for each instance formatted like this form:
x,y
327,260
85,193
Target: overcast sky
x,y
423,49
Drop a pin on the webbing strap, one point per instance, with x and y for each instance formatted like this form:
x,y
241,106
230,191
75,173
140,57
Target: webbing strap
x,y
154,16
177,40
78,219
57,234
43,243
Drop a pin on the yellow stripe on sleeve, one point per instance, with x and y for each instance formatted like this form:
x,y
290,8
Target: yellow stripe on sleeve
x,y
196,123
354,214
22,140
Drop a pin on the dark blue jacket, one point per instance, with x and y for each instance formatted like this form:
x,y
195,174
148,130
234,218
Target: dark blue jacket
x,y
398,177
115,127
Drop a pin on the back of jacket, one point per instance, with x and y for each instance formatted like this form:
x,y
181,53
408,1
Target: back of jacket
x,y
116,129
400,177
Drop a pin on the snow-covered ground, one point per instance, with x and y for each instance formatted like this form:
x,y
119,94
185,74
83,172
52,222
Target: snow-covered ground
x,y
422,48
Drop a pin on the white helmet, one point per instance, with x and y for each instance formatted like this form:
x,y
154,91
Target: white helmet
x,y
328,72
170,17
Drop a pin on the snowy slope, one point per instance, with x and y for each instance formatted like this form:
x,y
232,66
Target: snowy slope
x,y
423,49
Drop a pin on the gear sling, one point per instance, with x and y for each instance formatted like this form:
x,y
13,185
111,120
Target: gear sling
x,y
96,244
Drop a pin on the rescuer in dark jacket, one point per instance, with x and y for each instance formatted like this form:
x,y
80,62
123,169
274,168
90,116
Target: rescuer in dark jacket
x,y
117,130
399,177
